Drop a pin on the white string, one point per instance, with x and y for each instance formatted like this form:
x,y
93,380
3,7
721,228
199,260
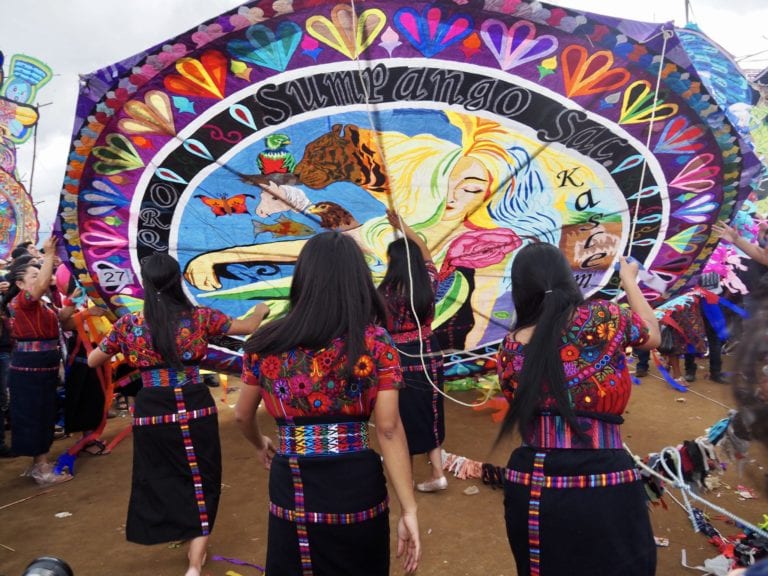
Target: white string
x,y
667,35
407,247
676,480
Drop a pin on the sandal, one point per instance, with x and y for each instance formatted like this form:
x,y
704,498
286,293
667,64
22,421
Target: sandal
x,y
95,448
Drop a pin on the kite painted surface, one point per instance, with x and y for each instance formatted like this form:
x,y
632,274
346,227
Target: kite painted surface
x,y
18,215
230,145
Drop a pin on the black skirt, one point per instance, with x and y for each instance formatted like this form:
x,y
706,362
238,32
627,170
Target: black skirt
x,y
163,506
32,381
84,396
421,406
346,483
602,531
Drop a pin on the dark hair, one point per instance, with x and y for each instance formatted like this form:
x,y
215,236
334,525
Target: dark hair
x,y
397,278
164,304
545,296
20,250
332,295
16,272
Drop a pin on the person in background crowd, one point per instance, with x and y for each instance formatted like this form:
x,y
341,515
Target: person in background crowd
x,y
35,362
411,283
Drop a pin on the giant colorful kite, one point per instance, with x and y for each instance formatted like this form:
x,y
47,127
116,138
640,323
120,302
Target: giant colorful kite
x,y
486,125
18,116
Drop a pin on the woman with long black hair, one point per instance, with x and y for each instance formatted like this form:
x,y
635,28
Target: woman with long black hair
x,y
176,450
409,288
322,371
574,503
35,362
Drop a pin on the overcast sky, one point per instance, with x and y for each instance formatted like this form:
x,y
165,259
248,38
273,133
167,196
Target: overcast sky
x,y
79,36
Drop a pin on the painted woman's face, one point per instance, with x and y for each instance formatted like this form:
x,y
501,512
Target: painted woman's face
x,y
467,189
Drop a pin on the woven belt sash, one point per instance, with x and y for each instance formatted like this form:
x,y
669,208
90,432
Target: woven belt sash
x,y
328,517
36,345
552,431
583,481
413,335
175,417
323,439
169,377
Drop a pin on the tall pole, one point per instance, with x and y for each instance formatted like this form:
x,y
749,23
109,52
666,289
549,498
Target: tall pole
x,y
687,4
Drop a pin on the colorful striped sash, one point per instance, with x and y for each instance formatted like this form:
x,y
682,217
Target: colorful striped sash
x,y
170,377
322,439
174,418
583,481
36,345
329,517
550,431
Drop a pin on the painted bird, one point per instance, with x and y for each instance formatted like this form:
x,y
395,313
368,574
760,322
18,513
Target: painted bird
x,y
276,158
282,228
333,216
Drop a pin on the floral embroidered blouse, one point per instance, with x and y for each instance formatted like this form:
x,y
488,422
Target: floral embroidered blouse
x,y
401,318
592,353
301,382
130,335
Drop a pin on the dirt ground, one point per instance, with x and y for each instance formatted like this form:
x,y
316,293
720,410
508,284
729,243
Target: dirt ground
x,y
461,534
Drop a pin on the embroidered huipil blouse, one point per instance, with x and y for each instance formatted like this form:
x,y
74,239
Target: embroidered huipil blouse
x,y
130,335
592,352
32,319
401,318
303,382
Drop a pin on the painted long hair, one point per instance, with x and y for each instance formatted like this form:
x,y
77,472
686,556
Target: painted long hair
x,y
332,295
398,278
165,303
545,296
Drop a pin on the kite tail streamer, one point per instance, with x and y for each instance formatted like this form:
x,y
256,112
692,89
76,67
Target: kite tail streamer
x,y
665,373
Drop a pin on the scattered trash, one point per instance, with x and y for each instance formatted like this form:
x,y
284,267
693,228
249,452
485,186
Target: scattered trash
x,y
746,493
679,399
429,531
471,490
661,541
178,544
63,514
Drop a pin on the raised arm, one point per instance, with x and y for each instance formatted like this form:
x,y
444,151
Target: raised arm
x,y
249,324
730,234
399,224
638,304
397,460
43,282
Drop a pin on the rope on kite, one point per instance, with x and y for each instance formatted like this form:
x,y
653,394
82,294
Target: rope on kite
x,y
666,34
391,202
676,480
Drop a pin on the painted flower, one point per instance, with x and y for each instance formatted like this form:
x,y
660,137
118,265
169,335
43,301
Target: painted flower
x,y
318,402
363,367
270,367
482,248
299,384
569,353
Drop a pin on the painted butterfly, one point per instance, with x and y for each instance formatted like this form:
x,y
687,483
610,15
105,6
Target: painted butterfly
x,y
224,206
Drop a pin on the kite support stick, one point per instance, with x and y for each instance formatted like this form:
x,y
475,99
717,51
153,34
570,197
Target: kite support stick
x,y
667,34
19,501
